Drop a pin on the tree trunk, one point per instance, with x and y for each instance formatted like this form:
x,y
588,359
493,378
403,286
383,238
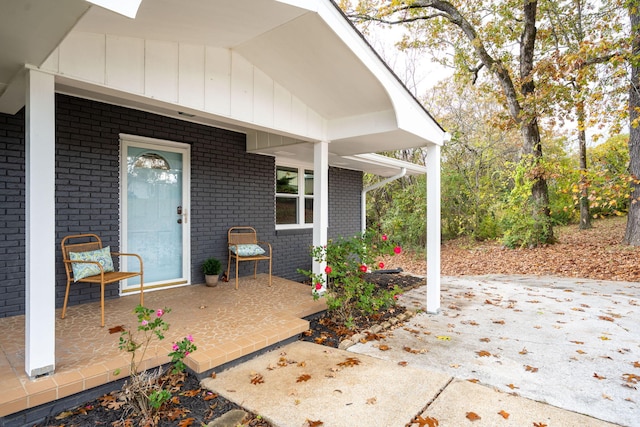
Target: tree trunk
x,y
539,190
585,215
632,234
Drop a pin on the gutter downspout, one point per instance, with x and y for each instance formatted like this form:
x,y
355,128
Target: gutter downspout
x,y
363,197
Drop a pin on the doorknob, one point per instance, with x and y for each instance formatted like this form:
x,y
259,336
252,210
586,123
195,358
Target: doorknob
x,y
179,210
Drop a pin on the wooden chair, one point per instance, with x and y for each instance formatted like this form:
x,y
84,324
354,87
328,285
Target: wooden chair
x,y
245,246
83,243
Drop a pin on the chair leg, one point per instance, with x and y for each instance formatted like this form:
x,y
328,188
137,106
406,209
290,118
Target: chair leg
x,y
66,298
229,265
255,269
236,273
141,289
102,304
269,272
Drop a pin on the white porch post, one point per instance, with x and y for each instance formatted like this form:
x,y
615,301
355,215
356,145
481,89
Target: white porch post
x,y
433,228
40,225
320,201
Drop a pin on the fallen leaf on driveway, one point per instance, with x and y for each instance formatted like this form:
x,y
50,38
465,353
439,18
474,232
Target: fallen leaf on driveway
x,y
511,386
303,378
384,347
443,338
600,377
372,401
504,414
472,416
428,422
483,353
607,318
530,368
349,362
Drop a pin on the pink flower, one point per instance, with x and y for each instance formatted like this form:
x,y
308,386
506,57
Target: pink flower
x,y
397,249
175,347
363,268
384,237
395,297
318,286
327,270
160,312
186,353
381,265
190,338
144,323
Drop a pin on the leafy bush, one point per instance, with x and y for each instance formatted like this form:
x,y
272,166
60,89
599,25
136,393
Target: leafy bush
x,y
522,228
348,294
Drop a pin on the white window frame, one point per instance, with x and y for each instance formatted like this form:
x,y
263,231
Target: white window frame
x,y
300,197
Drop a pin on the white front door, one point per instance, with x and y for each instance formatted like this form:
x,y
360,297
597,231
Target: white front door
x,y
154,200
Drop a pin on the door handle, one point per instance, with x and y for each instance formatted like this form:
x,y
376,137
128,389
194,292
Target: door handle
x,y
183,213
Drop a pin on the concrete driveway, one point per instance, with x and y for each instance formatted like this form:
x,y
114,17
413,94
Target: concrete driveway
x,y
570,343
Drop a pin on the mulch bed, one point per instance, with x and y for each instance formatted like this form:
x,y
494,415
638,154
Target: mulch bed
x,y
195,406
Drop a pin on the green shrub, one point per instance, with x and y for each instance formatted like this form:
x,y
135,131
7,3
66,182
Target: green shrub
x,y
348,294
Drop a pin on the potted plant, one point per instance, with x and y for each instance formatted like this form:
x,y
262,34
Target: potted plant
x,y
211,268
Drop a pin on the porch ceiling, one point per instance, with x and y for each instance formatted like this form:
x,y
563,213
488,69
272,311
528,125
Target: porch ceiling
x,y
313,56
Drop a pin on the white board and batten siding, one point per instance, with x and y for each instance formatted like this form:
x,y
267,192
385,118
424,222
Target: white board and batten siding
x,y
210,79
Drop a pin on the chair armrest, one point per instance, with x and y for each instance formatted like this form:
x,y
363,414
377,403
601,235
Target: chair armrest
x,y
69,261
267,244
127,254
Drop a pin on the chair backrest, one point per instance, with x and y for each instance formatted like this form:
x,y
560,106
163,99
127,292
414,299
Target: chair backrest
x,y
78,243
242,236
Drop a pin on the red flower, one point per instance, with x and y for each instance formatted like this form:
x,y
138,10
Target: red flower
x,y
381,265
327,269
397,249
363,268
318,286
384,237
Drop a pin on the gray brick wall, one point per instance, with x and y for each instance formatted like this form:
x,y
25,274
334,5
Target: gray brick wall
x,y
228,187
344,202
12,215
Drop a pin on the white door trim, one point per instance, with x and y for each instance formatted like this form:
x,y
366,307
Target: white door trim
x,y
165,145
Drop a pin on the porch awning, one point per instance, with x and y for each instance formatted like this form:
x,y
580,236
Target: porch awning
x,y
293,69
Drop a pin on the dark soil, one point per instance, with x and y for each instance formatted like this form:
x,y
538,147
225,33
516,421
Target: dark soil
x,y
194,406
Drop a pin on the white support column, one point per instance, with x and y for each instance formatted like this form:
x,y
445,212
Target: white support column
x,y
320,200
433,228
40,317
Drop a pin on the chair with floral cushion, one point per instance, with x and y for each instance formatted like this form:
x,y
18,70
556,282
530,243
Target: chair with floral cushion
x,y
86,261
245,246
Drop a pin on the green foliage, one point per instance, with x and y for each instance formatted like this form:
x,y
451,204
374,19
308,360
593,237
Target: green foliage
x,y
211,267
348,294
607,181
157,398
522,227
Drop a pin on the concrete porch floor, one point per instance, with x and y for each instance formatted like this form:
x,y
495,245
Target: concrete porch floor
x,y
226,325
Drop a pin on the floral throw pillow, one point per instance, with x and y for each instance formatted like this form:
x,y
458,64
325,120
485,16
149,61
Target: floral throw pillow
x,y
247,250
82,270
